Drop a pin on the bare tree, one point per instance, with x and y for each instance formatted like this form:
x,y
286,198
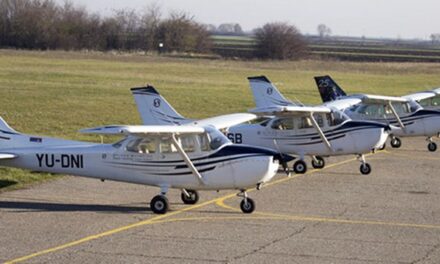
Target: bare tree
x,y
323,31
279,41
435,38
181,33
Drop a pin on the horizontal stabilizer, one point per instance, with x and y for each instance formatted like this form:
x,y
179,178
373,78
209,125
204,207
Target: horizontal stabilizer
x,y
5,156
225,121
143,130
290,110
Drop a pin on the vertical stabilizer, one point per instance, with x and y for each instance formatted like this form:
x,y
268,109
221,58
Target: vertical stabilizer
x,y
328,89
266,94
154,109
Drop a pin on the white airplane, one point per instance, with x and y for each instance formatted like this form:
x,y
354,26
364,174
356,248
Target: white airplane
x,y
189,158
314,131
407,117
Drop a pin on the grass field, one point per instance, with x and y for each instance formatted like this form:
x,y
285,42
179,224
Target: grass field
x,y
58,93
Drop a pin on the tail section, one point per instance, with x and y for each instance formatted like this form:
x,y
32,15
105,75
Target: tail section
x,y
266,94
328,89
7,134
5,129
154,109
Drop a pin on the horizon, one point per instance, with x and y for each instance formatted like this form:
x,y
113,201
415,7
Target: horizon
x,y
371,19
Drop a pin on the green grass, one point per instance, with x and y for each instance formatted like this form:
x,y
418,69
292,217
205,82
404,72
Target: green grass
x,y
58,93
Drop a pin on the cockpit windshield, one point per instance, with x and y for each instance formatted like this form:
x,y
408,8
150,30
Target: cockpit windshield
x,y
336,117
413,106
217,139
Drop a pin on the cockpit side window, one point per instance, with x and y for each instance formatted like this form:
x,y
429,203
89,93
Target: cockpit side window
x,y
336,118
435,101
188,143
204,142
166,146
142,145
319,119
283,124
305,122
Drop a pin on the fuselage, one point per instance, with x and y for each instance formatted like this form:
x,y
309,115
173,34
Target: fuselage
x,y
347,137
227,167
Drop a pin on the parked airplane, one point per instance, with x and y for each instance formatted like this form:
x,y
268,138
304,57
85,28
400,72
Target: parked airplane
x,y
189,158
317,131
407,117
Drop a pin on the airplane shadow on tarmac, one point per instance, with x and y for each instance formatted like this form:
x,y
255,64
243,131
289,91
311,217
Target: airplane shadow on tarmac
x,y
58,207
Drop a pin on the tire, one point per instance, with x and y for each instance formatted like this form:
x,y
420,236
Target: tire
x,y
300,167
319,163
192,199
396,143
365,169
247,207
159,204
432,146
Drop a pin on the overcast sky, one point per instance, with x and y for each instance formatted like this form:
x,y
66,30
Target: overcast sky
x,y
372,18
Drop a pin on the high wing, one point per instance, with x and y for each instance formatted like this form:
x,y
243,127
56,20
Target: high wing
x,y
348,101
6,156
143,130
423,95
290,110
224,121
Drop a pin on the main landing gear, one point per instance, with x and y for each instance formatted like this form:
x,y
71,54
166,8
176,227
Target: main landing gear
x,y
300,167
365,168
318,162
395,142
432,146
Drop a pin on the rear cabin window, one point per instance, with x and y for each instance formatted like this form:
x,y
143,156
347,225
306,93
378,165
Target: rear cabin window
x,y
435,101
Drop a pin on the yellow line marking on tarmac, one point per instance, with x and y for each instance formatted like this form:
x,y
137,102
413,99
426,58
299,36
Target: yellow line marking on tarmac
x,y
114,231
280,217
157,219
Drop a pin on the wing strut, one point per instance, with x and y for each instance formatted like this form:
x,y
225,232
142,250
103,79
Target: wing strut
x,y
321,134
187,160
396,115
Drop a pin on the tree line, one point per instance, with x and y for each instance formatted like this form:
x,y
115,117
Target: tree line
x,y
47,25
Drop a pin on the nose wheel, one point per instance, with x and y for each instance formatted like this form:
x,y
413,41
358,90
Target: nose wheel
x,y
318,162
189,196
365,168
300,167
432,146
396,142
247,205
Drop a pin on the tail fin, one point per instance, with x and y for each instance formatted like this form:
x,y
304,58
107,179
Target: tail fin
x,y
266,94
154,109
328,88
6,129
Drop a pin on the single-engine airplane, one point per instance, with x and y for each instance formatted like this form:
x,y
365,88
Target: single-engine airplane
x,y
189,158
406,117
296,129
